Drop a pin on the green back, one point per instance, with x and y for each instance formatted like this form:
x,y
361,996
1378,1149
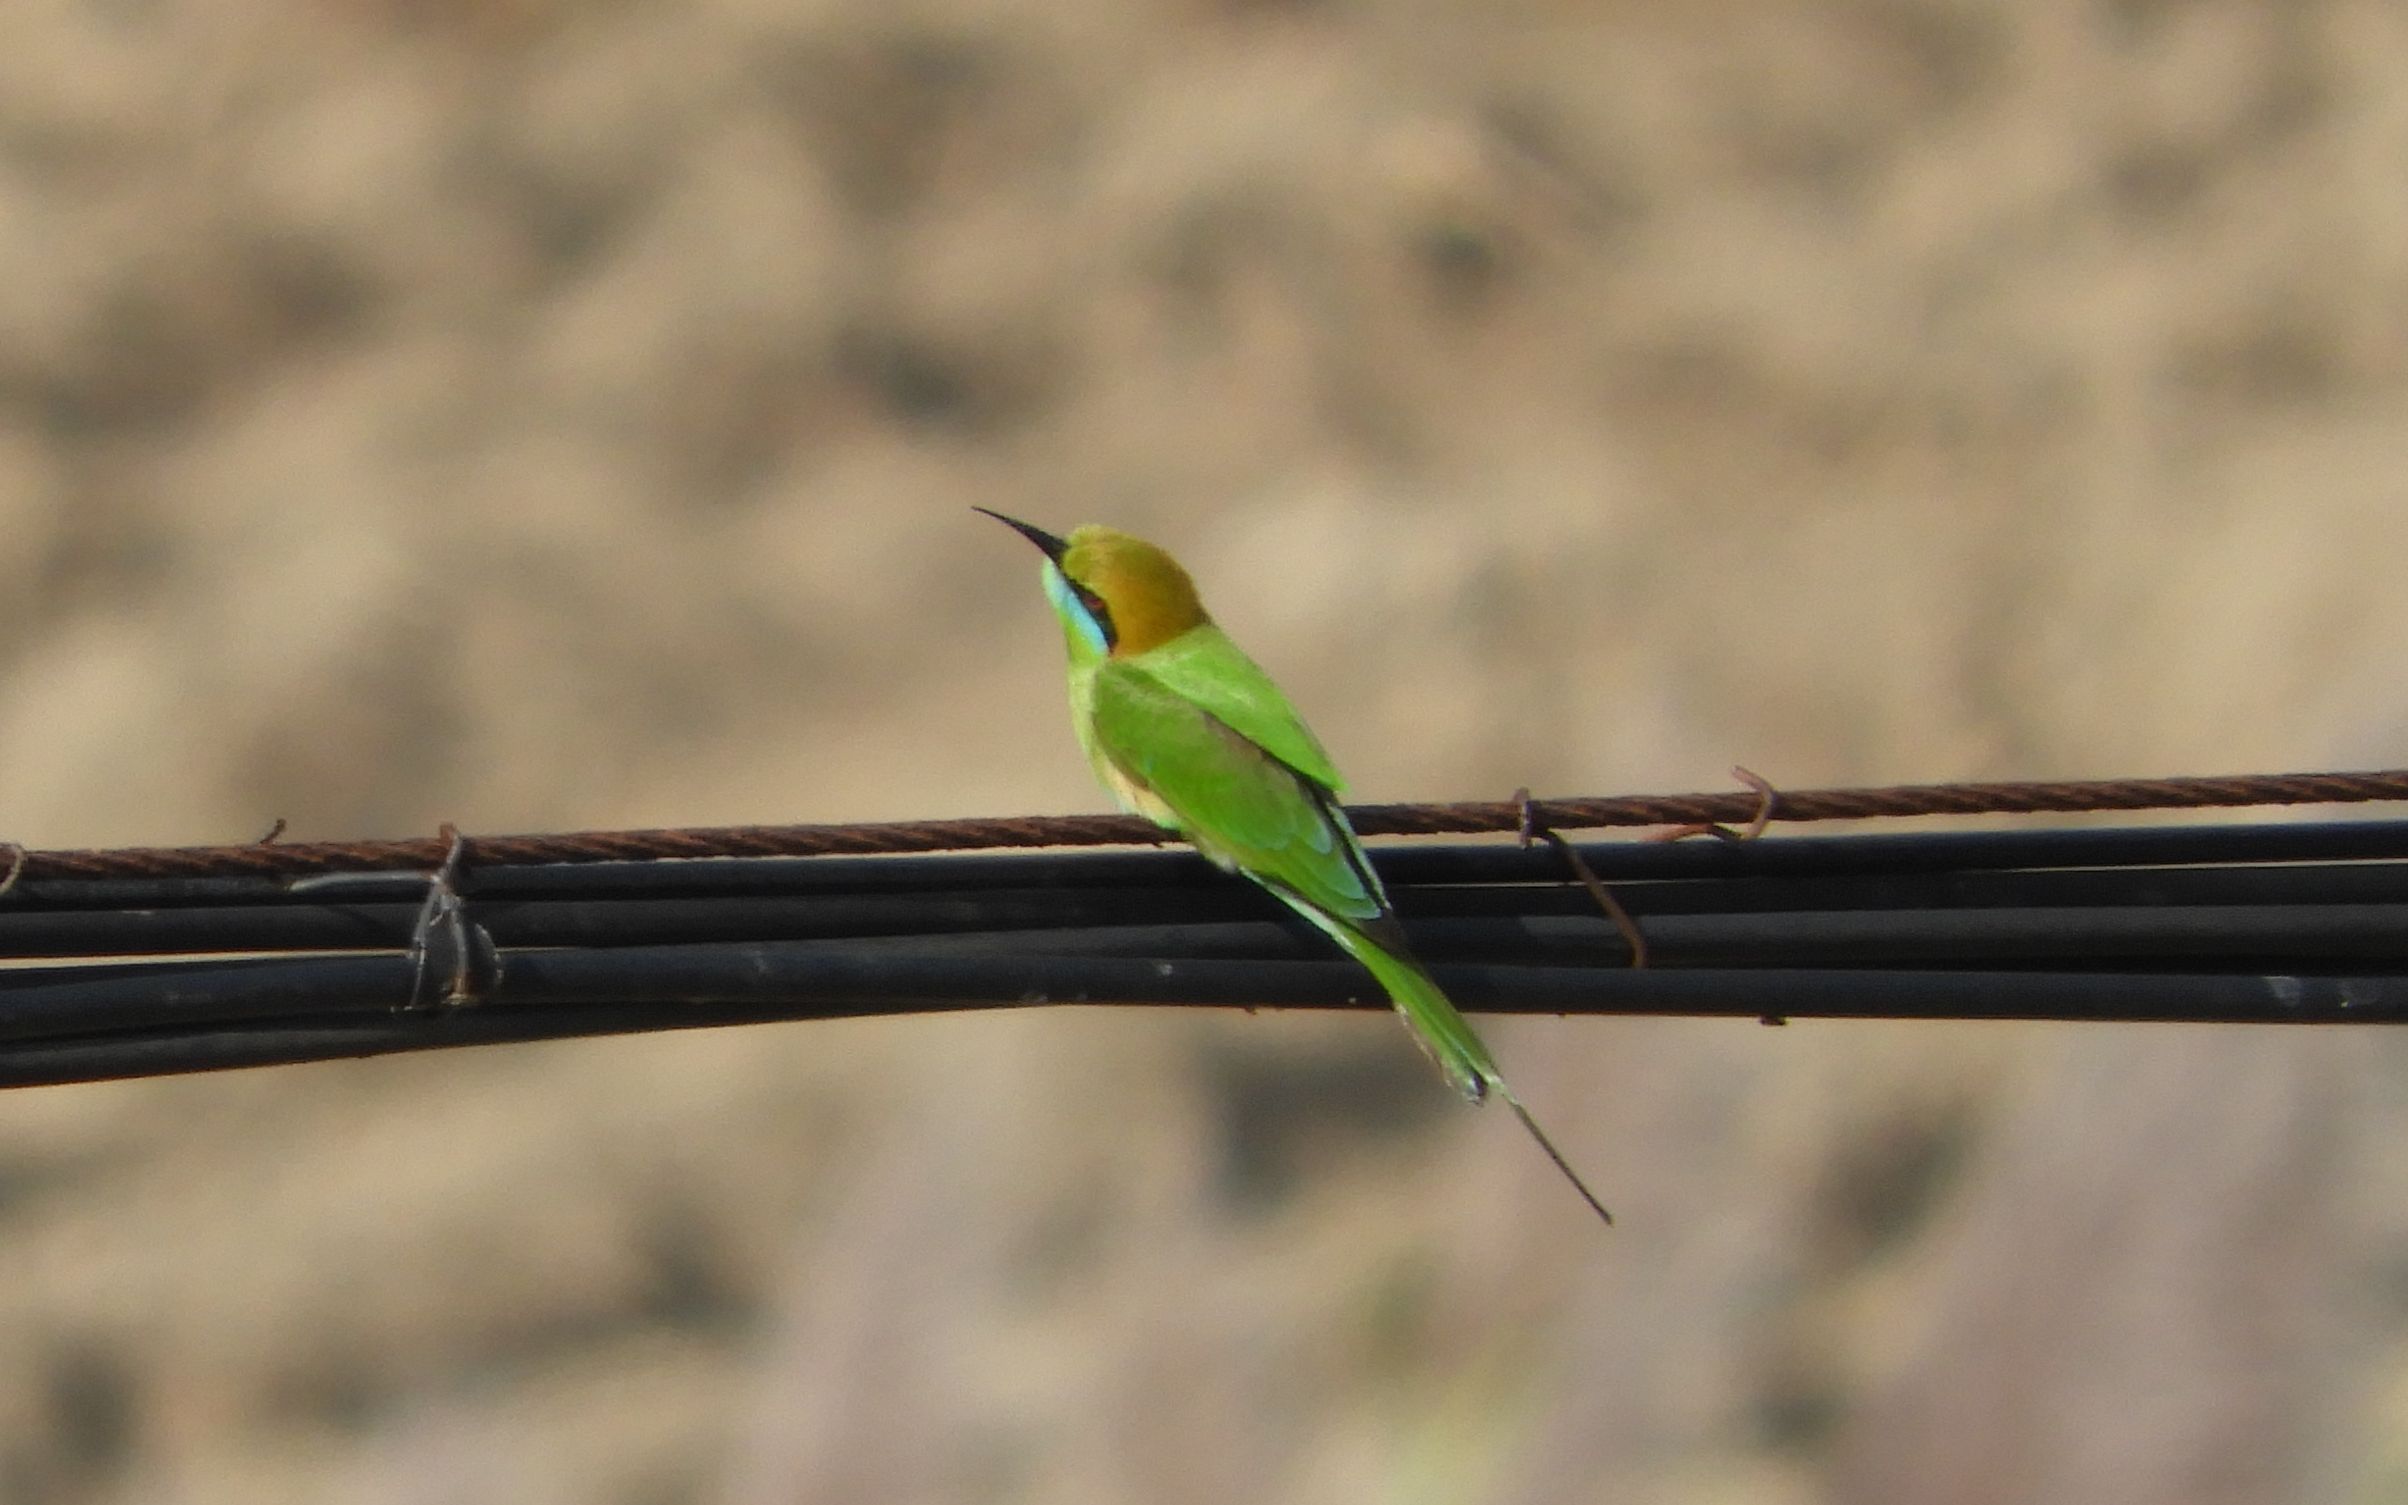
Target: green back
x,y
1196,725
1208,734
1204,667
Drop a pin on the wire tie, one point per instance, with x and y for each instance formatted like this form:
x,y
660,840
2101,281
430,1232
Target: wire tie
x,y
453,962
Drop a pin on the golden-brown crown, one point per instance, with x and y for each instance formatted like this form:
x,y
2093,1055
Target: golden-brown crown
x,y
1149,596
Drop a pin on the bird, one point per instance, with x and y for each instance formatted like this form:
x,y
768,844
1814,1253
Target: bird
x,y
1184,729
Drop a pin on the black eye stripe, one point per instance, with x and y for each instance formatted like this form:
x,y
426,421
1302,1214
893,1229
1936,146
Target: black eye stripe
x,y
1098,610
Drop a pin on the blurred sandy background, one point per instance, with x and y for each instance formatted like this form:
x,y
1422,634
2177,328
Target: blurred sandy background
x,y
541,415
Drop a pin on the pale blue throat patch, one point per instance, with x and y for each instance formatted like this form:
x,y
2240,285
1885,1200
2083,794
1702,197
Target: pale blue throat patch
x,y
1073,612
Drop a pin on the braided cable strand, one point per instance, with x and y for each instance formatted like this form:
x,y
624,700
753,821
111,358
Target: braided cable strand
x,y
274,859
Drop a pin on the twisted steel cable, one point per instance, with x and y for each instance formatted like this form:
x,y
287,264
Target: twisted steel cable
x,y
277,859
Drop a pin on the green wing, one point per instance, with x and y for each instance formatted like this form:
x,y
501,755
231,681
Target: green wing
x,y
1235,797
1249,810
1203,667
1207,734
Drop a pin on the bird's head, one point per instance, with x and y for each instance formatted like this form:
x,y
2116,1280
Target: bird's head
x,y
1116,595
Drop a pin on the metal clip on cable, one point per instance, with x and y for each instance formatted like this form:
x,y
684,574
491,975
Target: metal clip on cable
x,y
454,962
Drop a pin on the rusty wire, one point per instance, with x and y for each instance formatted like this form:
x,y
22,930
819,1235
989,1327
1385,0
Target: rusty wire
x,y
277,859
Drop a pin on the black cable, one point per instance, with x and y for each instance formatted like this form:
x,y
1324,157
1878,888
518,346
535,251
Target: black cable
x,y
643,989
1081,889
2225,923
1407,863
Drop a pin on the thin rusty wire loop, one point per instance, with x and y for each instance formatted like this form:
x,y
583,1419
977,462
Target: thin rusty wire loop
x,y
1768,805
292,859
1624,920
1768,802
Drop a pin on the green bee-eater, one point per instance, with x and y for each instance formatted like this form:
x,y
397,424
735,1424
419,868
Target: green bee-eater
x,y
1187,731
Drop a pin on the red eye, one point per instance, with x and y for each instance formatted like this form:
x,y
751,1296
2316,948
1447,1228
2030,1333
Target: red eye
x,y
1100,612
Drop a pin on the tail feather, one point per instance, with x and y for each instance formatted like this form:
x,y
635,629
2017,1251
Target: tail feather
x,y
1443,1033
1553,1153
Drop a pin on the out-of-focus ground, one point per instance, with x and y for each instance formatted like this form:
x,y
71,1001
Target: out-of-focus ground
x,y
539,415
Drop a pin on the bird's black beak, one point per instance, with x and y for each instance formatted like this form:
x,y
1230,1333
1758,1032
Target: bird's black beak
x,y
1052,546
